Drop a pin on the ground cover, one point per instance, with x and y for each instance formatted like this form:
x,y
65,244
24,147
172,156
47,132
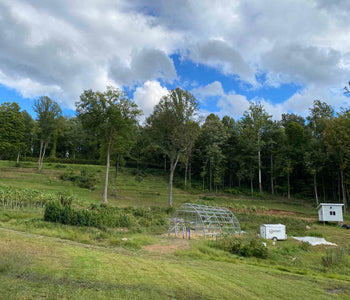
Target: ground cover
x,y
46,259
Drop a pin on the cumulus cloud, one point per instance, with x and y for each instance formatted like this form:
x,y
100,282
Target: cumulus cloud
x,y
221,55
211,90
60,48
145,64
148,95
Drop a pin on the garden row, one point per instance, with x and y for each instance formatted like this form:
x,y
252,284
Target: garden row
x,y
104,216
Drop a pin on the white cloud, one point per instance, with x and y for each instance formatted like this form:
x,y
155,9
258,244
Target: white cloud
x,y
60,48
211,90
148,95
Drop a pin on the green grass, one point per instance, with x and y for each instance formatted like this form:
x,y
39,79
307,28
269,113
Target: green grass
x,y
45,260
52,267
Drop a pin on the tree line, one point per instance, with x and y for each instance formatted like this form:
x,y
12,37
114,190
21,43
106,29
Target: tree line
x,y
296,156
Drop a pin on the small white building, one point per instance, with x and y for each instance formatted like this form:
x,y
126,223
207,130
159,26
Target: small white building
x,y
273,231
332,212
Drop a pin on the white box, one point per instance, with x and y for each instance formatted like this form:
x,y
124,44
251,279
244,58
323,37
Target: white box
x,y
273,232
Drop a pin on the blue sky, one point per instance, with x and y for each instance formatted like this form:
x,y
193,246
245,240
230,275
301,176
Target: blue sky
x,y
284,54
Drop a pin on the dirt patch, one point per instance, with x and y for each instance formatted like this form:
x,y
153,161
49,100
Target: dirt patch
x,y
278,212
168,248
286,213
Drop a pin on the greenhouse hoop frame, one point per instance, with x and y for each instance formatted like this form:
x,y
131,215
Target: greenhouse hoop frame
x,y
204,220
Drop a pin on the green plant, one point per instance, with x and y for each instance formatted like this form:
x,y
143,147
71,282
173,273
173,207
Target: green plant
x,y
237,246
333,256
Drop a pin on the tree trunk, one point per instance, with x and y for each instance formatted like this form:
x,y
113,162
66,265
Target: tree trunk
x,y
40,152
43,154
259,162
315,188
210,176
54,145
189,175
272,188
115,176
343,189
251,186
338,188
324,190
105,191
288,184
203,183
186,168
171,178
17,161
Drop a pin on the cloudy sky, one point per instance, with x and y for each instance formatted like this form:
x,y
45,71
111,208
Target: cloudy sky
x,y
226,52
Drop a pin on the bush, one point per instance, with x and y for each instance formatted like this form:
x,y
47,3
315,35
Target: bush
x,y
86,179
333,257
254,248
100,217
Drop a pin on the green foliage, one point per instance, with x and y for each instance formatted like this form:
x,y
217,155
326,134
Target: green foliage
x,y
11,198
253,248
100,217
334,256
86,179
305,246
11,130
103,216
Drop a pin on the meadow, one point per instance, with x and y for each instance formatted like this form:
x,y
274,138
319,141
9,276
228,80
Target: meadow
x,y
40,259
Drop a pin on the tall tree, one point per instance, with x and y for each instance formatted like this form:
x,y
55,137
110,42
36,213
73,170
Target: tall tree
x,y
316,156
211,140
11,129
256,118
28,137
337,139
47,112
107,114
171,127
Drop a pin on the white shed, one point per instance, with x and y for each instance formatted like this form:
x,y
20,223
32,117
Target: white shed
x,y
330,212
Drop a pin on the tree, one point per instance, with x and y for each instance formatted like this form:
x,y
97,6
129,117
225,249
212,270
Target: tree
x,y
28,138
60,126
256,118
109,115
47,112
11,129
316,156
170,127
337,139
295,150
211,140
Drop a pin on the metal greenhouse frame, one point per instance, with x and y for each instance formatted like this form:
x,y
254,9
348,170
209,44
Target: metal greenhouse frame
x,y
203,220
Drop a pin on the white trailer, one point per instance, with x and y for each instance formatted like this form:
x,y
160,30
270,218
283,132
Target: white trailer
x,y
273,231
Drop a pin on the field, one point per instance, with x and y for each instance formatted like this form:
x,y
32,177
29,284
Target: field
x,y
40,259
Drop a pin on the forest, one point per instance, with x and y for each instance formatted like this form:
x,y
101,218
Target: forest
x,y
294,157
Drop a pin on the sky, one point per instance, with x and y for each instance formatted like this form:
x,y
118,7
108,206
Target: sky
x,y
285,54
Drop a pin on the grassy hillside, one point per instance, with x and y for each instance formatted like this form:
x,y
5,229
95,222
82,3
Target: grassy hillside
x,y
49,260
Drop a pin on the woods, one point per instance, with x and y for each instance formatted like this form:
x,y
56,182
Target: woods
x,y
294,157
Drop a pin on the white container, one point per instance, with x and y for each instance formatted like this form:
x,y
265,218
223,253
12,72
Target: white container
x,y
274,232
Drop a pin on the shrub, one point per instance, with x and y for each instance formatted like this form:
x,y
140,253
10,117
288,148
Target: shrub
x,y
100,217
86,179
333,257
305,246
236,246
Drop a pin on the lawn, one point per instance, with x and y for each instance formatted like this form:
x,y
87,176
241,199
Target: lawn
x,y
39,259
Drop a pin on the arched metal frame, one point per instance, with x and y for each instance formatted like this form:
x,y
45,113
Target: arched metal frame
x,y
203,219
